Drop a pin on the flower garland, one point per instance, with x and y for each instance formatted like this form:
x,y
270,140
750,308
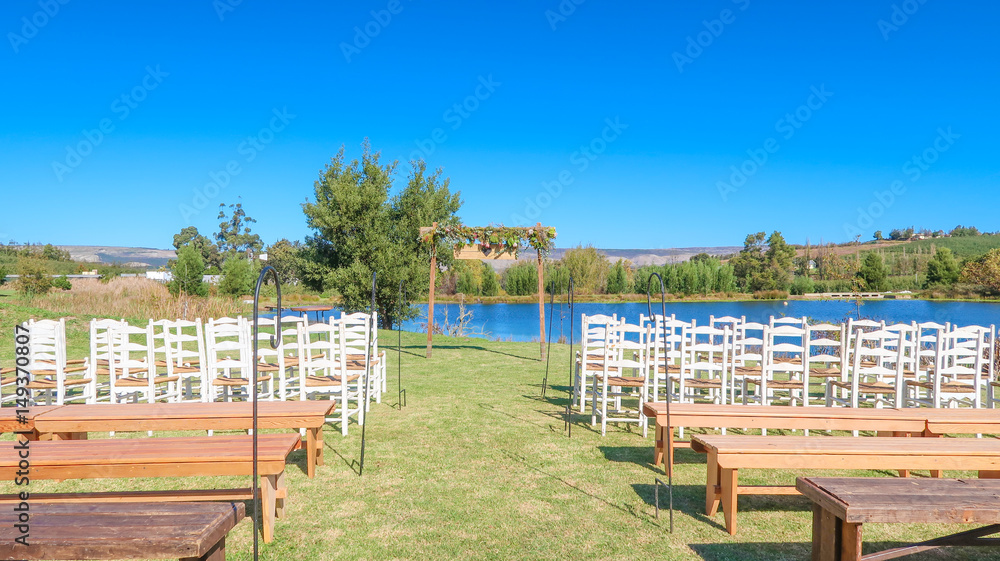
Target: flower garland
x,y
497,239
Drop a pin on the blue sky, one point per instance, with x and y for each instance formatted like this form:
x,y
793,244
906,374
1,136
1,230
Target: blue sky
x,y
622,124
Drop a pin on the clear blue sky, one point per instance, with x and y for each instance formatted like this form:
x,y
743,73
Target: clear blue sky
x,y
642,109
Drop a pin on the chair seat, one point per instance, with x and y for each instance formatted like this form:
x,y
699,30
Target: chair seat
x,y
266,367
140,382
778,384
52,384
946,387
223,381
824,372
867,387
703,383
319,381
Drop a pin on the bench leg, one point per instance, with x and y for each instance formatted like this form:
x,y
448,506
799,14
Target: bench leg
x,y
268,505
658,448
311,452
730,491
989,474
282,492
668,435
712,486
319,447
217,553
850,541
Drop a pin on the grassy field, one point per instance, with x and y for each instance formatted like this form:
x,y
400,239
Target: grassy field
x,y
478,466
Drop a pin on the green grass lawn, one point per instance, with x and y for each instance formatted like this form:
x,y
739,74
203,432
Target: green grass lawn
x,y
478,466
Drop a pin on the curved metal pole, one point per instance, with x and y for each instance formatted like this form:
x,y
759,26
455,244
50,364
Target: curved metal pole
x,y
572,362
364,390
548,345
663,315
253,384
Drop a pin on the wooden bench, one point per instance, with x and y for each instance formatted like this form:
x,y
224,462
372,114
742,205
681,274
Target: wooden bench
x,y
165,457
707,415
842,505
73,422
12,421
186,531
727,454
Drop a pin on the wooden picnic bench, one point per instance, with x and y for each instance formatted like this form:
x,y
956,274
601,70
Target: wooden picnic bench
x,y
12,421
727,454
842,505
708,415
186,531
163,457
73,422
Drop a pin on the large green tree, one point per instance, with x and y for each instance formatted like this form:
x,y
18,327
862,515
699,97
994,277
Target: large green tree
x,y
943,268
359,229
873,272
764,264
234,235
209,252
188,271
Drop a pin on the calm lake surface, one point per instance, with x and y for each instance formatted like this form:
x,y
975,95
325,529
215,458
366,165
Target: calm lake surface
x,y
519,322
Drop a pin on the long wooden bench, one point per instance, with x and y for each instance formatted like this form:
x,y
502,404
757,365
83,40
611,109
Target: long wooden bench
x,y
842,505
73,422
185,531
16,419
727,454
164,457
707,415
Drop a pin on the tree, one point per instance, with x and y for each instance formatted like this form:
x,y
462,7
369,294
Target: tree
x,y
62,283
237,276
589,269
285,257
358,230
490,286
33,279
873,272
521,279
942,268
984,271
617,278
234,235
962,232
209,251
3,274
878,235
188,271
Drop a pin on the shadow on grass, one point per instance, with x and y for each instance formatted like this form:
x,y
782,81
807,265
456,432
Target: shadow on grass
x,y
629,511
472,347
550,428
641,456
353,464
747,550
404,350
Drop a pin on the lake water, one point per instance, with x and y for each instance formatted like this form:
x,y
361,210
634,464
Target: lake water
x,y
519,322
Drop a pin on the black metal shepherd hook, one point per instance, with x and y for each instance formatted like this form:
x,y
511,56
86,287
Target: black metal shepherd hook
x,y
548,344
572,361
663,318
364,391
401,397
253,384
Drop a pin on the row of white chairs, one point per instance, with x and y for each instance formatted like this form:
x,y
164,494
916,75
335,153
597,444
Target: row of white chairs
x,y
181,360
731,360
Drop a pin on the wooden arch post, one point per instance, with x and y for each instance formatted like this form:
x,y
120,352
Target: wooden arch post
x,y
541,298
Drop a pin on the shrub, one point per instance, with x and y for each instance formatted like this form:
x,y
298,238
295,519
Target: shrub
x,y
3,274
188,272
237,277
62,282
521,279
33,279
617,279
770,295
802,285
490,286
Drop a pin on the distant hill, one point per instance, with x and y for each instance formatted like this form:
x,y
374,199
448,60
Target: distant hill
x,y
130,256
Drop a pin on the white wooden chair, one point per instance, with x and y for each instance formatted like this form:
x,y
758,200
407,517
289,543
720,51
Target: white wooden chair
x,y
664,352
323,371
133,368
100,354
590,357
360,335
784,366
183,351
229,351
747,359
876,374
625,354
51,374
704,365
958,378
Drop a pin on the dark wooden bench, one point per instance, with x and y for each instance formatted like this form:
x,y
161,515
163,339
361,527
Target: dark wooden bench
x,y
186,531
842,505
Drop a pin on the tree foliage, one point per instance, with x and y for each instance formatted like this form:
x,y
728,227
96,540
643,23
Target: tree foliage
x,y
285,257
209,252
962,232
589,269
33,279
62,283
521,279
618,278
943,268
764,266
984,271
234,235
490,286
873,272
188,271
358,230
237,276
